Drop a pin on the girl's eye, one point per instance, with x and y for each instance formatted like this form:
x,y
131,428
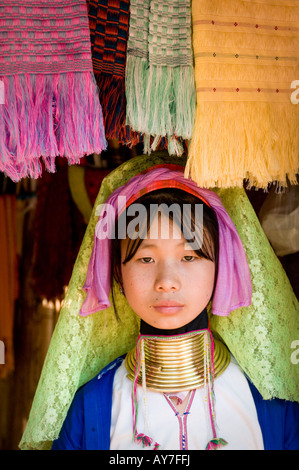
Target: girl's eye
x,y
146,260
189,258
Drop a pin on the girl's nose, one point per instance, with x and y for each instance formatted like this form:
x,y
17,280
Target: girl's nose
x,y
167,279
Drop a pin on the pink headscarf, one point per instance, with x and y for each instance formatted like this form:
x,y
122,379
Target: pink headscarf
x,y
233,286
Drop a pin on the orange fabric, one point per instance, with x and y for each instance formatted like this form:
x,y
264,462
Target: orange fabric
x,y
8,278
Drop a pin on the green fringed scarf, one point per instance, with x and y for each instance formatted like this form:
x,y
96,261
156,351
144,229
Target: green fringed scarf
x,y
160,89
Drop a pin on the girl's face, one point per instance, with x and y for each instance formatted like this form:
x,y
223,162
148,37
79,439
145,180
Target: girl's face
x,y
165,283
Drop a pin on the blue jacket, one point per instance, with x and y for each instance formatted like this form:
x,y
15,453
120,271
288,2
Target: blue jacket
x,y
87,425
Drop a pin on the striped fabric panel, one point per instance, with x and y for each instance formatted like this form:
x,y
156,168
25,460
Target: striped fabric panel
x,y
286,3
170,33
160,32
109,23
245,51
138,32
165,184
44,37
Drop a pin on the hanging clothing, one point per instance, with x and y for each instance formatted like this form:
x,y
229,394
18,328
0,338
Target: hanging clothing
x,y
50,102
9,280
109,29
84,184
160,88
246,125
55,237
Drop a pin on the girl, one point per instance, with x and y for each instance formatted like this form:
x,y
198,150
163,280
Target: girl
x,y
170,263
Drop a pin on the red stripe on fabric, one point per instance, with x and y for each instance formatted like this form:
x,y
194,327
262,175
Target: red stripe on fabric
x,y
162,184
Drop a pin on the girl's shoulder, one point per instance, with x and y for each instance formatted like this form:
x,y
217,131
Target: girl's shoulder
x,y
111,367
106,375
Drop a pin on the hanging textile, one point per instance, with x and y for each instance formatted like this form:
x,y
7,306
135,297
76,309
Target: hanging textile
x,y
58,232
9,284
160,88
246,59
84,184
73,189
50,105
109,27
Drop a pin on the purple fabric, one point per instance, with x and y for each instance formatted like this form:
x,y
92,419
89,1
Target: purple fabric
x,y
233,286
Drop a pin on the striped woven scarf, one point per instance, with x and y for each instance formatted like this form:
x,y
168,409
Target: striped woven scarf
x,y
50,105
109,28
246,59
160,88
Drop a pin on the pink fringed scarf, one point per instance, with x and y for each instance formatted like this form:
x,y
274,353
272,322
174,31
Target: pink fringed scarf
x,y
50,105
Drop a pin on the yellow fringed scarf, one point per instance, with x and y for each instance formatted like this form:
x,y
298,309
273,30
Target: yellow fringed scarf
x,y
246,59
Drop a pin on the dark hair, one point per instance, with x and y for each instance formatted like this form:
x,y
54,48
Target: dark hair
x,y
208,234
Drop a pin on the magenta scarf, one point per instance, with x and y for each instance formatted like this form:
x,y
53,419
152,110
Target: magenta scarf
x,y
233,287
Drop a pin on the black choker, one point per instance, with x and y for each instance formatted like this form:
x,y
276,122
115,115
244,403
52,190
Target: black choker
x,y
201,322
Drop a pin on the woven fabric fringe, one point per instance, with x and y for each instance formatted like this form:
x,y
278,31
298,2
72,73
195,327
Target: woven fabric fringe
x,y
246,125
160,88
50,105
109,29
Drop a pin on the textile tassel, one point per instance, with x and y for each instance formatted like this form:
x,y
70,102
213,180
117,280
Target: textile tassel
x,y
160,88
48,116
136,73
113,102
162,102
214,443
266,147
246,125
140,438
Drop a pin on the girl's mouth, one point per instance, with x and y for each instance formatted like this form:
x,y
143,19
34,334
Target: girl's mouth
x,y
168,307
